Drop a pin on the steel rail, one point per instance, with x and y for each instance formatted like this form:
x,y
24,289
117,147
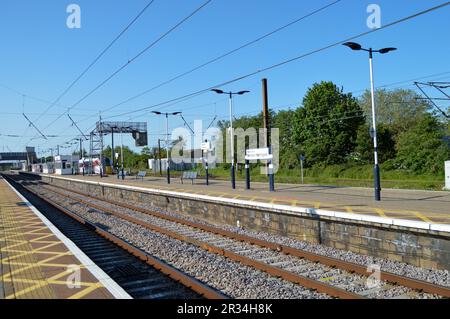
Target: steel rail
x,y
175,274
329,261
271,270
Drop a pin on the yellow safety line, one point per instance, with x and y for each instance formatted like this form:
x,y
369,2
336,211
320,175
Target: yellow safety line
x,y
380,212
24,253
30,252
42,237
41,283
423,217
42,262
86,291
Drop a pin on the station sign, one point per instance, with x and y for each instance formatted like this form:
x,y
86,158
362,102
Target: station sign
x,y
206,146
258,154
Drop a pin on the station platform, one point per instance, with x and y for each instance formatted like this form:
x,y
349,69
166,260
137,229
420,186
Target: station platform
x,y
39,262
431,207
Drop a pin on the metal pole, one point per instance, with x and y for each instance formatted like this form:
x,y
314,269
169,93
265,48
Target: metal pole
x,y
377,183
100,134
233,176
159,156
206,168
269,166
112,150
82,155
301,166
265,112
121,153
167,148
247,174
271,177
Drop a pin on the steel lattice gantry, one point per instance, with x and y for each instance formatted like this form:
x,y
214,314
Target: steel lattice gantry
x,y
137,129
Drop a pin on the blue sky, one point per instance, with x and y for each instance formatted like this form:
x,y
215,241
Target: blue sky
x,y
41,57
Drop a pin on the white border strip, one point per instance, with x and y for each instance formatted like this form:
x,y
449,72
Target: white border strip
x,y
287,209
99,274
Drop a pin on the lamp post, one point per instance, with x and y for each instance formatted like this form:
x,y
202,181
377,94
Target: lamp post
x,y
121,149
167,139
230,94
357,47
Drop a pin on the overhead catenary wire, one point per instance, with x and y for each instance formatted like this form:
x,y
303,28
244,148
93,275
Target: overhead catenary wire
x,y
192,95
418,84
99,56
222,56
34,126
79,130
199,92
130,61
296,58
249,113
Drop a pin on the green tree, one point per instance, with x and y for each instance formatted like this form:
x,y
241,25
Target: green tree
x,y
398,110
423,149
327,124
289,150
386,145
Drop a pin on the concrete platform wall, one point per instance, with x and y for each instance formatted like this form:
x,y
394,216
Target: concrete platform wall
x,y
424,248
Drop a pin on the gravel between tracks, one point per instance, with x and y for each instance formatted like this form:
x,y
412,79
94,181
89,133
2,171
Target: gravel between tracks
x,y
335,277
339,278
438,277
232,278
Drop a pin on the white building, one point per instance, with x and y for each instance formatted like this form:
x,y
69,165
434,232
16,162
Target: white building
x,y
66,164
48,168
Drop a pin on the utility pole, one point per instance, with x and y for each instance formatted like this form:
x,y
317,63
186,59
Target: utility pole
x,y
269,167
265,112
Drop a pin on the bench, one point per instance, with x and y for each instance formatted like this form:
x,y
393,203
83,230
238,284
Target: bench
x,y
189,175
119,174
141,174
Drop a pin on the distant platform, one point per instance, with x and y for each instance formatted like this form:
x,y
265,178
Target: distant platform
x,y
39,262
415,208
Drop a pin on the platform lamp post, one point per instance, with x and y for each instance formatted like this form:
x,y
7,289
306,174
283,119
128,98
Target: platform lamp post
x,y
121,150
230,94
357,47
167,139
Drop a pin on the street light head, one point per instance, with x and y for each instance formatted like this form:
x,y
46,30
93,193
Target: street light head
x,y
156,112
176,113
218,91
243,92
354,46
386,50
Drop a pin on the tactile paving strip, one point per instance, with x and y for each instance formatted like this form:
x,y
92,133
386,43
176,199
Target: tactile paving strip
x,y
34,263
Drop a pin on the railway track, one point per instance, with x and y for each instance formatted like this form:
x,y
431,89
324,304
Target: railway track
x,y
330,276
139,274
